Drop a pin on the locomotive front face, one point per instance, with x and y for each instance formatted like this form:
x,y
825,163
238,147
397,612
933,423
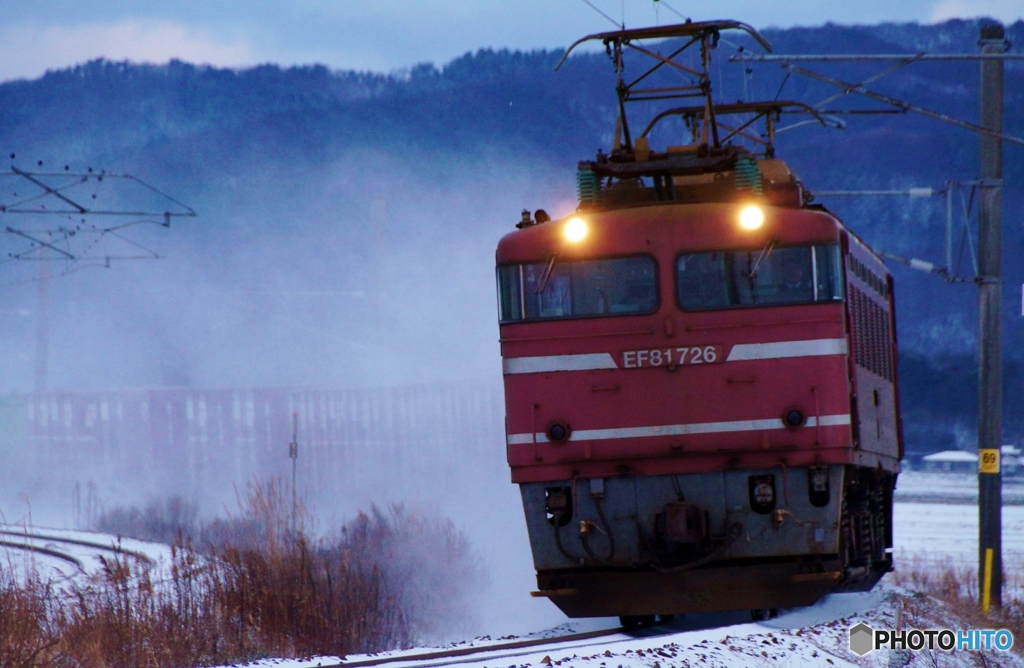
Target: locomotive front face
x,y
684,407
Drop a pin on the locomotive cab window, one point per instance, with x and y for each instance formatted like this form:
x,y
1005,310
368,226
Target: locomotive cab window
x,y
763,277
577,289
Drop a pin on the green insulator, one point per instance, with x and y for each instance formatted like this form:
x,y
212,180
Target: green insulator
x,y
588,187
748,175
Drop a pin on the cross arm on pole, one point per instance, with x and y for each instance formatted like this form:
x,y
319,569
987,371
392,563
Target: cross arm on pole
x,y
50,191
11,230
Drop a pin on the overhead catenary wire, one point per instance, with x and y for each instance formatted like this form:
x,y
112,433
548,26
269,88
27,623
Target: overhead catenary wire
x,y
671,9
73,240
613,21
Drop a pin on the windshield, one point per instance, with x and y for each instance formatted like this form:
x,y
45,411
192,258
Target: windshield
x,y
762,277
579,289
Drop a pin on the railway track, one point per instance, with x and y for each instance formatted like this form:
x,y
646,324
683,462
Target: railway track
x,y
49,545
50,552
507,650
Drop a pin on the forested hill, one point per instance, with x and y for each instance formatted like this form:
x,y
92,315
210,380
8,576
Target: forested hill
x,y
348,219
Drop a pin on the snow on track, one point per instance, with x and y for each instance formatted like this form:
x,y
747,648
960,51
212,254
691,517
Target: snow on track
x,y
64,553
812,636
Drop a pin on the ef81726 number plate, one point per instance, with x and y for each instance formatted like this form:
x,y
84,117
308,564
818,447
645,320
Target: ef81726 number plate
x,y
684,355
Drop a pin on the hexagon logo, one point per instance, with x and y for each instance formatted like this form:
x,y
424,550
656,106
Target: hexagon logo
x,y
862,639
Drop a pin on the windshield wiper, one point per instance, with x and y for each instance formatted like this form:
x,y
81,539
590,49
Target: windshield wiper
x,y
546,275
765,253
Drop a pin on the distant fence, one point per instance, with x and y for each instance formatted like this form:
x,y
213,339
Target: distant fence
x,y
197,440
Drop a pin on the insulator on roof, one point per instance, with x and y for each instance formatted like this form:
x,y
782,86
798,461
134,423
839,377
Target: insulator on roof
x,y
588,187
748,176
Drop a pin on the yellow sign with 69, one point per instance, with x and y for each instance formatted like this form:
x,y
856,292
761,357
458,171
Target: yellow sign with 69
x,y
989,460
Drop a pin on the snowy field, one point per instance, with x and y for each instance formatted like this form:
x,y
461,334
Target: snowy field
x,y
938,533
922,486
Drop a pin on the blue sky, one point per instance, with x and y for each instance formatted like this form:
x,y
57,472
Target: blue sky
x,y
384,35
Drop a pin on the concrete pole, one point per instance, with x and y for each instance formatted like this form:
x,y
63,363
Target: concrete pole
x,y
990,366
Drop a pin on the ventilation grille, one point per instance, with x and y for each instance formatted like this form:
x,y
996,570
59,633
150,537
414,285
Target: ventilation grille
x,y
872,338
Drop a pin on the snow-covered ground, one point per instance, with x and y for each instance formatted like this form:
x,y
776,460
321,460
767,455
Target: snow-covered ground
x,y
925,533
85,547
940,533
815,636
925,486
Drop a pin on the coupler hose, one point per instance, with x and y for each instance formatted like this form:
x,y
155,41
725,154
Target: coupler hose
x,y
606,529
561,548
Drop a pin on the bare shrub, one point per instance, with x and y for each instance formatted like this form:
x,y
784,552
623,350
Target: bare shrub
x,y
27,637
427,563
264,519
260,587
306,601
160,520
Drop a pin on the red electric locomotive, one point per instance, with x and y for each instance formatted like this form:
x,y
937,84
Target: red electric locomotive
x,y
700,374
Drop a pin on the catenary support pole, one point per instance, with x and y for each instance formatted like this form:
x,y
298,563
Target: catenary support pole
x,y
293,452
990,375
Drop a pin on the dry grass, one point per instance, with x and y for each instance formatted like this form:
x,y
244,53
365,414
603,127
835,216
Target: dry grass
x,y
257,588
27,636
160,520
956,586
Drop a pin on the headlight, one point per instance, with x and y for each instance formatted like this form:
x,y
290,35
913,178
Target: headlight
x,y
751,217
575,229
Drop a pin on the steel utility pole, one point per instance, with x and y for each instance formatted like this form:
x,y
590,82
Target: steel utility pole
x,y
293,452
990,289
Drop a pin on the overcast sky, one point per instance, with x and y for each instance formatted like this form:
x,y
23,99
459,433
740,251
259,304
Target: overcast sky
x,y
385,35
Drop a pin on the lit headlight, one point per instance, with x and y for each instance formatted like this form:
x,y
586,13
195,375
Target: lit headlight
x,y
751,217
575,229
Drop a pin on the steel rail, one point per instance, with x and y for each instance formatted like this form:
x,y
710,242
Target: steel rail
x,y
469,651
44,550
83,543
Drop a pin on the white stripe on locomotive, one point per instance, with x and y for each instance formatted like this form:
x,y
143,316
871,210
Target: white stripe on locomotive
x,y
739,352
678,429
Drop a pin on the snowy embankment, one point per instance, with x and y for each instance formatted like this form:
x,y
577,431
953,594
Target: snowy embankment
x,y
927,534
815,636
